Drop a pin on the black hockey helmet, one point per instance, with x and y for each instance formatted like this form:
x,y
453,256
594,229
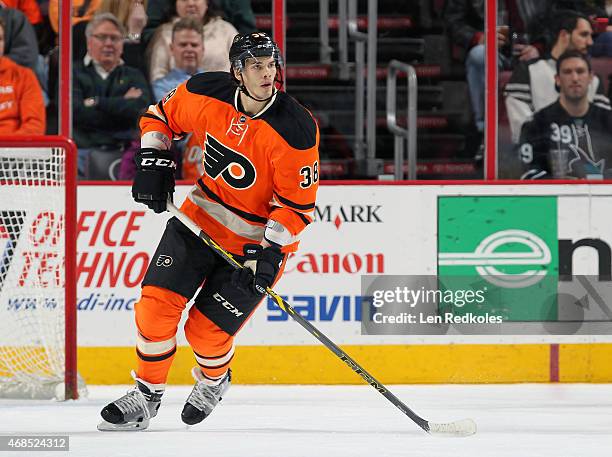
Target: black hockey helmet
x,y
256,44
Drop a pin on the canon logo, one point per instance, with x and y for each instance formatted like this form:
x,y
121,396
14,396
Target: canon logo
x,y
349,262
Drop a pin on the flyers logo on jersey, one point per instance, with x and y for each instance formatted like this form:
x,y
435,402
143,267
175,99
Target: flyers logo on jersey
x,y
235,169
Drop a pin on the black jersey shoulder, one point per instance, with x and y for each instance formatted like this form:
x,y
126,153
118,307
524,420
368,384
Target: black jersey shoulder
x,y
215,84
603,115
292,122
551,113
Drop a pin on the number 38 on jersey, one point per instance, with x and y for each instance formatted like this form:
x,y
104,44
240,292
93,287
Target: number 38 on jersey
x,y
310,175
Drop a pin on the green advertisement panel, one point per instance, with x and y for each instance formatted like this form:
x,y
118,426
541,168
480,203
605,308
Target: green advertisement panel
x,y
504,246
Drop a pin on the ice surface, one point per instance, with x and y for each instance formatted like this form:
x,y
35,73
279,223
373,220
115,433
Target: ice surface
x,y
521,420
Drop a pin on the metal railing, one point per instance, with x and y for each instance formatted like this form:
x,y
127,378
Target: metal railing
x,y
365,71
401,135
371,90
343,62
325,50
360,39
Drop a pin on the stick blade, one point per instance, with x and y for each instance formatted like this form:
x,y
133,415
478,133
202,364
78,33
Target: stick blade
x,y
464,427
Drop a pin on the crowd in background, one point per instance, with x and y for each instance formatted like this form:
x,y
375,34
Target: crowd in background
x,y
531,37
127,54
130,53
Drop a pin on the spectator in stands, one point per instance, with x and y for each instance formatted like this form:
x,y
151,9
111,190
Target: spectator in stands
x,y
603,43
465,21
129,12
109,96
571,137
44,33
240,14
187,49
132,14
22,111
525,18
237,12
29,8
19,38
218,36
82,10
599,13
532,84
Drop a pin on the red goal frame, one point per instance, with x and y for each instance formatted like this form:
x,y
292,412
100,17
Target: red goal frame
x,y
70,303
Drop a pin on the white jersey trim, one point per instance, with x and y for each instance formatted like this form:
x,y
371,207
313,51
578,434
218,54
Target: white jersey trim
x,y
263,110
225,217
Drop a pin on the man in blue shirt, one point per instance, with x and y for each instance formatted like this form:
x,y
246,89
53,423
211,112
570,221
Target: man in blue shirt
x,y
187,48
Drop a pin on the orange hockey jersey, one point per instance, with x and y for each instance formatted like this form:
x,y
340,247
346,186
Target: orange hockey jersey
x,y
256,168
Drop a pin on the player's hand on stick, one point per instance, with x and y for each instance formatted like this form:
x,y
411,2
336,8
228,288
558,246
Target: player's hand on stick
x,y
154,181
260,268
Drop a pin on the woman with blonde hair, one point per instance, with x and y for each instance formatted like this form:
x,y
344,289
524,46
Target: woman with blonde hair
x,y
218,36
132,15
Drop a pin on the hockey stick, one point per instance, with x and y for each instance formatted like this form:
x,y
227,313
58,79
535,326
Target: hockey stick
x,y
463,427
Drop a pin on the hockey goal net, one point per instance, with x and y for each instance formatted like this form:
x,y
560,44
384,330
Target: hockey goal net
x,y
37,269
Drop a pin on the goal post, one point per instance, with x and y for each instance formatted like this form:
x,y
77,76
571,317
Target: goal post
x,y
38,310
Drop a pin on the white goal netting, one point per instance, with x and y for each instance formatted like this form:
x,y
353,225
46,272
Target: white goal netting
x,y
32,272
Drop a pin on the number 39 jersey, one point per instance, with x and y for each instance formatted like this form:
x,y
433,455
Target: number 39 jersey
x,y
256,168
556,145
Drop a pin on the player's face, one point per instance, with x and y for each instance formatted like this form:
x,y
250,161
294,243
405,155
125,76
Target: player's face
x,y
187,49
105,45
582,36
258,76
196,8
574,78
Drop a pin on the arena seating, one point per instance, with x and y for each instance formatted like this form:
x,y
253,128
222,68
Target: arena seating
x,y
411,32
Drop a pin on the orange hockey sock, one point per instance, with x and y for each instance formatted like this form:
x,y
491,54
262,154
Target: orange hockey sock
x,y
158,313
213,348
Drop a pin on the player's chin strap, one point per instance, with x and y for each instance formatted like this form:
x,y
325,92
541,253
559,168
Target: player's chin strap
x,y
463,427
245,91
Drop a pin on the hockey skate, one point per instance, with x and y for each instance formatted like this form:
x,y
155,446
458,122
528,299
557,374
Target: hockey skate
x,y
204,397
134,409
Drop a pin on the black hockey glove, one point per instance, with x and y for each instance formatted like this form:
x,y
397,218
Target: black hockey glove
x,y
154,181
260,268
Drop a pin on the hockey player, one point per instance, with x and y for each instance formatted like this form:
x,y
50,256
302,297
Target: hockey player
x,y
571,137
257,194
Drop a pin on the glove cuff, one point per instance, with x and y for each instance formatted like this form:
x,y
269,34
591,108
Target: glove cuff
x,y
252,251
